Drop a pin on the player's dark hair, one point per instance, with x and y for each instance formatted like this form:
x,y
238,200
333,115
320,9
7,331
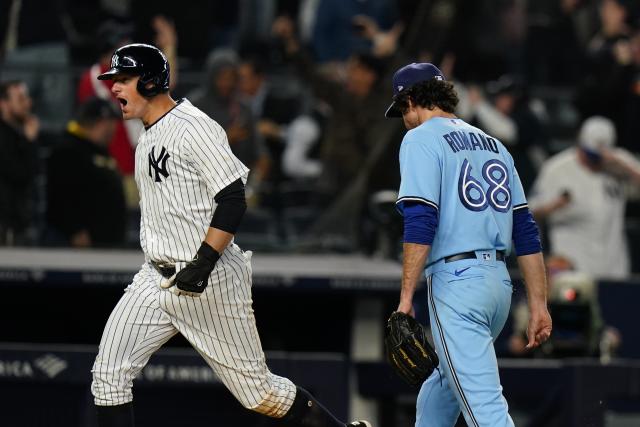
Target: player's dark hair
x,y
429,94
5,86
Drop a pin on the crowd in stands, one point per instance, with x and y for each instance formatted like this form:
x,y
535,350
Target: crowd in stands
x,y
301,89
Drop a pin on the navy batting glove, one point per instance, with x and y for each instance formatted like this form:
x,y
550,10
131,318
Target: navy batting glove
x,y
194,277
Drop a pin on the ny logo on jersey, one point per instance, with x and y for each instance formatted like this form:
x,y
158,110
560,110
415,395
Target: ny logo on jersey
x,y
159,164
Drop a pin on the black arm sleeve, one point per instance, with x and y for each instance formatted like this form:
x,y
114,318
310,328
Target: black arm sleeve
x,y
231,207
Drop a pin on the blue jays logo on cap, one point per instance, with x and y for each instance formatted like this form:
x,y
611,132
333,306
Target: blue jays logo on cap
x,y
410,75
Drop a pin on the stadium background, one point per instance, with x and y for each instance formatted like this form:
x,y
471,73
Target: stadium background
x,y
326,237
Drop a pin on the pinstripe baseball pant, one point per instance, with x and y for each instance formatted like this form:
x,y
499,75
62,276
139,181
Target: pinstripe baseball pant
x,y
219,324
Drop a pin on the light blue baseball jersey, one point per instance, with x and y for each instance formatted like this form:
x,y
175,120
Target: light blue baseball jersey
x,y
469,177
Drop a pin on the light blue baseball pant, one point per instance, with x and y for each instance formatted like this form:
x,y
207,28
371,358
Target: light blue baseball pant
x,y
469,303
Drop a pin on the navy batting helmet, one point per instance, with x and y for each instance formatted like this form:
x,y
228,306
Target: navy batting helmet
x,y
142,60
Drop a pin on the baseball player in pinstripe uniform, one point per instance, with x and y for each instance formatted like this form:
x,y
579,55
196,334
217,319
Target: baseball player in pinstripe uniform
x,y
195,280
463,208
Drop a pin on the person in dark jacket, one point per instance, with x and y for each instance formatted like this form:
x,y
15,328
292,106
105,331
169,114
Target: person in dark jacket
x,y
85,196
19,130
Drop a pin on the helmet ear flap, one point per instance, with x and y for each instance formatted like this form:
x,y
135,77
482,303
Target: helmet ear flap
x,y
151,84
145,88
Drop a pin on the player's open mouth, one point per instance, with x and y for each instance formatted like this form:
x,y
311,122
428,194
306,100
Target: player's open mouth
x,y
122,101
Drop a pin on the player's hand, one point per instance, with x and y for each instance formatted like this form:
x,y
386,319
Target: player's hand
x,y
539,329
194,277
407,308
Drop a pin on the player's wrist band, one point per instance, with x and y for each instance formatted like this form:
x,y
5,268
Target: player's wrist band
x,y
207,253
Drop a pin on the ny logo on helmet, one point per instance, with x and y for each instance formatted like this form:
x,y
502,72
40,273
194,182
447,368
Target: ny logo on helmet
x,y
158,164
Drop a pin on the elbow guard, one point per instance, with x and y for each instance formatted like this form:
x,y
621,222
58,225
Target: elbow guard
x,y
231,207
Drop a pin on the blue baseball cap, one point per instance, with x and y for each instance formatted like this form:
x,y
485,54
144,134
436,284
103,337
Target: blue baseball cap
x,y
408,76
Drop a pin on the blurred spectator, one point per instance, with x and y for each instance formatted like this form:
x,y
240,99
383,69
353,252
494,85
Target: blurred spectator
x,y
351,130
252,83
85,196
581,195
256,16
306,19
439,17
612,70
274,104
577,321
109,37
337,35
202,25
165,37
552,51
19,130
383,43
616,18
511,116
218,97
356,101
617,92
354,138
629,73
476,40
300,158
34,49
466,38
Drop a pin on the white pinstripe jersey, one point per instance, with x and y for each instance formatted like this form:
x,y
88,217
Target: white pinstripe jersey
x,y
182,161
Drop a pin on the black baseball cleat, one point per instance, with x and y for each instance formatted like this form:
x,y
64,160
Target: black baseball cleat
x,y
359,423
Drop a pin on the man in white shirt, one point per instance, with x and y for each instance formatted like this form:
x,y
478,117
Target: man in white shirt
x,y
581,193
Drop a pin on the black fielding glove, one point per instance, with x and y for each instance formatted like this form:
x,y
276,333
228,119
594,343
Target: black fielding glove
x,y
408,351
194,277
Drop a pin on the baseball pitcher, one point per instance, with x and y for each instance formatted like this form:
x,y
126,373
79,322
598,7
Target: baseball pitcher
x,y
464,209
